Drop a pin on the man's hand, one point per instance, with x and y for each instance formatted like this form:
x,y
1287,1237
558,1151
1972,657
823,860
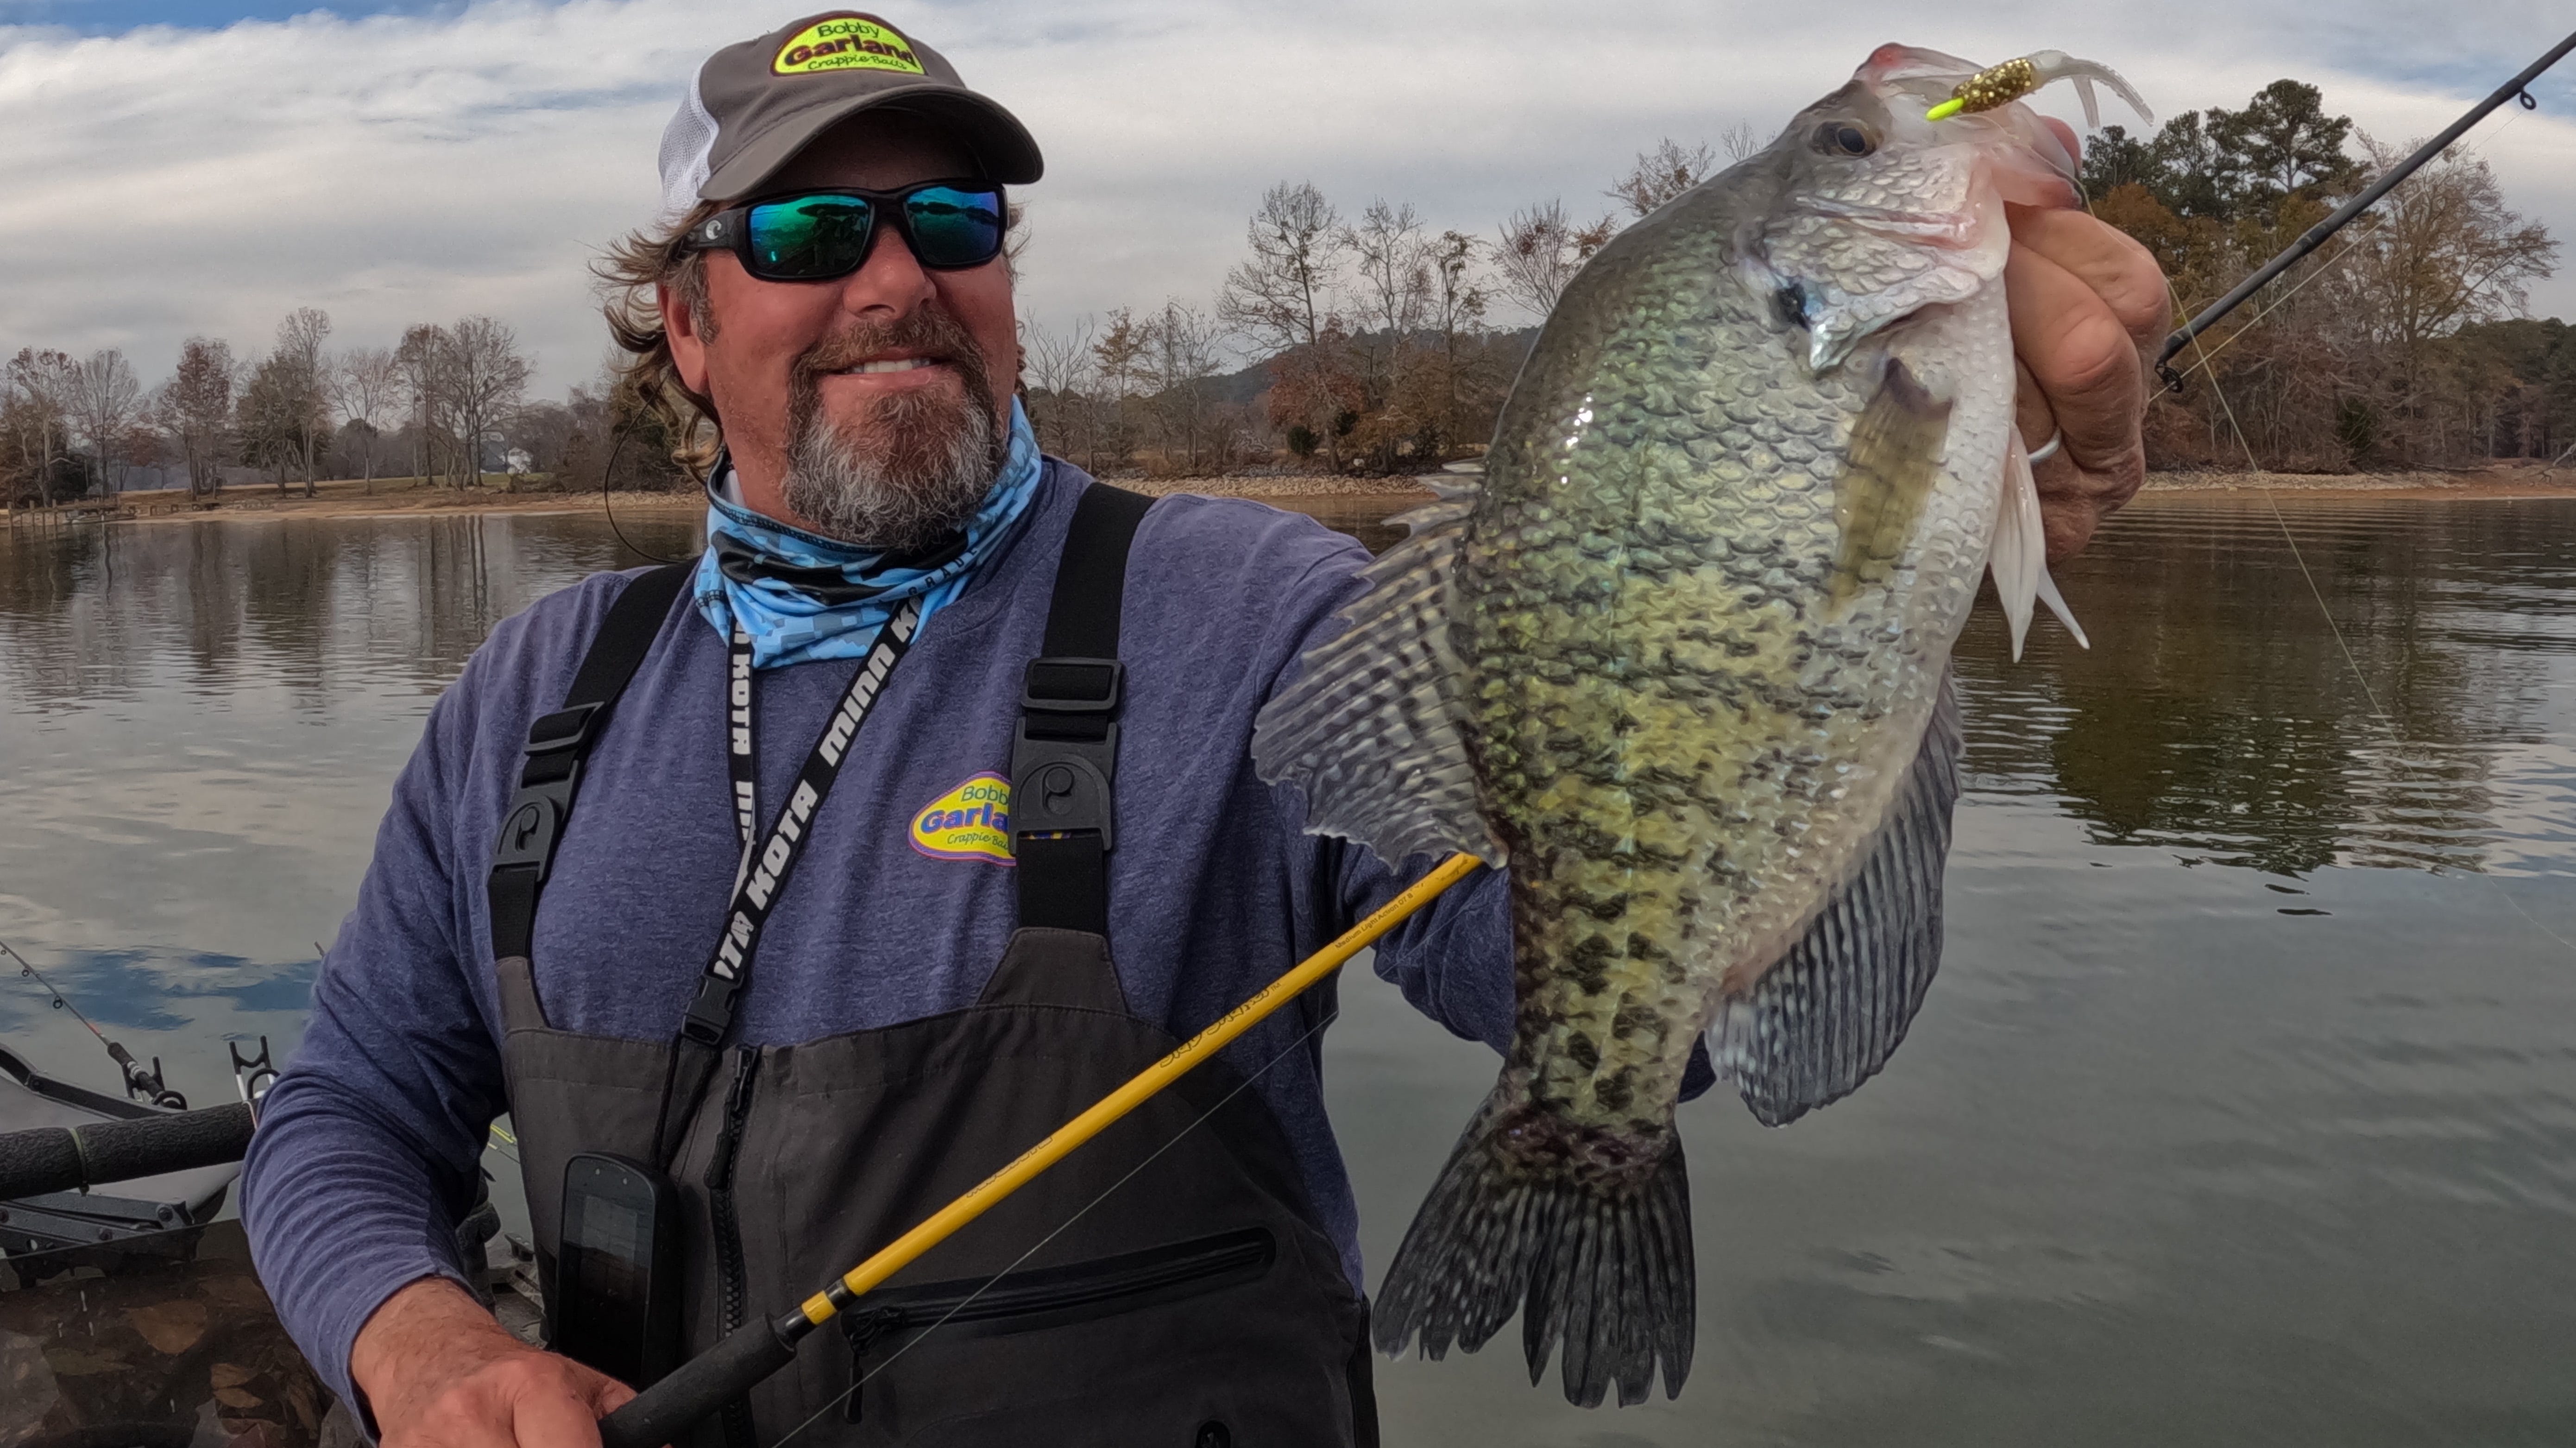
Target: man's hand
x,y
440,1373
2088,308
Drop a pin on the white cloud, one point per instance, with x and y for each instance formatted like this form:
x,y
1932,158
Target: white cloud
x,y
403,168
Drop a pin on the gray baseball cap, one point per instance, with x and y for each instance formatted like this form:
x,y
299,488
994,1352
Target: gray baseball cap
x,y
754,105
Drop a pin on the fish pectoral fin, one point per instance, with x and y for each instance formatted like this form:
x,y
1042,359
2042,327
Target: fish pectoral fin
x,y
1889,467
2018,558
1829,1013
1370,731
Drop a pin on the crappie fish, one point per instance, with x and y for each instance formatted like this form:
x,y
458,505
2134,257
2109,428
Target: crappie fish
x,y
1682,661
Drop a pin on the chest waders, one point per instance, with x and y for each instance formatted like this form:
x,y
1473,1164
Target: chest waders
x,y
1196,1306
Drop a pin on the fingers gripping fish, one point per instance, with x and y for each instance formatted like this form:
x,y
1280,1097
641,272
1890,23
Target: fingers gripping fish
x,y
1682,661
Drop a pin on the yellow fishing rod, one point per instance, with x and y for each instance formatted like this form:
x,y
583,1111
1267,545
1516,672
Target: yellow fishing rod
x,y
666,1411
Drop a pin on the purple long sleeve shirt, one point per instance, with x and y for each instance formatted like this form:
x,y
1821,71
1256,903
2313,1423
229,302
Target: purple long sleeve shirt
x,y
367,1148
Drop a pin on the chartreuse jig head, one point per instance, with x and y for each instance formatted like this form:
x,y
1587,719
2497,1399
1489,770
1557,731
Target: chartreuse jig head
x,y
1999,85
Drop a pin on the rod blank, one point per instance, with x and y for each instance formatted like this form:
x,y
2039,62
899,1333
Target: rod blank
x,y
2315,236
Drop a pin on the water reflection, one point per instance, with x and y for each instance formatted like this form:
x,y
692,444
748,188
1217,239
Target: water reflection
x,y
2219,713
2279,1149
87,614
199,723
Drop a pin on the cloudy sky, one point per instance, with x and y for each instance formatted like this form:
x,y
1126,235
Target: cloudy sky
x,y
202,166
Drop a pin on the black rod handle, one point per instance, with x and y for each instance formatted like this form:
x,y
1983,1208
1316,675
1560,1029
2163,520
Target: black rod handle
x,y
66,1158
665,1412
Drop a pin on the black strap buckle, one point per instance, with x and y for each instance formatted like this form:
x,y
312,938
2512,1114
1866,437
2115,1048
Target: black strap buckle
x,y
533,824
561,730
1067,749
1072,686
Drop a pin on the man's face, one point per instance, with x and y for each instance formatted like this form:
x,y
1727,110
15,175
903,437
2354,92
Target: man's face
x,y
872,408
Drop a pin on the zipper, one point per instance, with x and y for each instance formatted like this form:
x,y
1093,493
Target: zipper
x,y
1076,1292
731,1287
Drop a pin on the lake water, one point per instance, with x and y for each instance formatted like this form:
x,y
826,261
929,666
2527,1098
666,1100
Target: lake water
x,y
2244,1110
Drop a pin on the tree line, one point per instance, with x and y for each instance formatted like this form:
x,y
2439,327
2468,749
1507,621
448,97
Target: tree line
x,y
2401,343
1365,342
447,404
1375,342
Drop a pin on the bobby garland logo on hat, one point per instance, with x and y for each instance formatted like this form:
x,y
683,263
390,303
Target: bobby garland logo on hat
x,y
753,105
848,41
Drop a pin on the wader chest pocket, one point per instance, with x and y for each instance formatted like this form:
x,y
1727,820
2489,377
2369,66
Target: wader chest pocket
x,y
886,1323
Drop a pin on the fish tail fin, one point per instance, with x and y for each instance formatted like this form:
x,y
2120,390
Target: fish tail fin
x,y
1598,1261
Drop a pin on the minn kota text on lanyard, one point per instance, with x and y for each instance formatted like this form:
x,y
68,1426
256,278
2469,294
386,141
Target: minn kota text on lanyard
x,y
763,872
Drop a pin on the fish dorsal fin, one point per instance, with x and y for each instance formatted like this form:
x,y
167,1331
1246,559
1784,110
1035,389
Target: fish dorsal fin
x,y
1370,732
1816,1025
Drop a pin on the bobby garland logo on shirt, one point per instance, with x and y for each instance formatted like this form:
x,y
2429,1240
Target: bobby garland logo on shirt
x,y
970,822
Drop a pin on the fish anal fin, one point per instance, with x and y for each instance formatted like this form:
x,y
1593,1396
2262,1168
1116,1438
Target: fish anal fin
x,y
1371,730
1827,1016
1889,466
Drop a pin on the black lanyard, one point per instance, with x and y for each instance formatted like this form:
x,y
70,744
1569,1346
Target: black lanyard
x,y
762,875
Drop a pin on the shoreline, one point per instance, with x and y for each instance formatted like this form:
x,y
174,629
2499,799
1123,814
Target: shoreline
x,y
339,500
2483,485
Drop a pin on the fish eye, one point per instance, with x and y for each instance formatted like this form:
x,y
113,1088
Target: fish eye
x,y
1842,138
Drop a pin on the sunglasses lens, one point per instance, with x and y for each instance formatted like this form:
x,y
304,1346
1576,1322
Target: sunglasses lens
x,y
954,226
811,237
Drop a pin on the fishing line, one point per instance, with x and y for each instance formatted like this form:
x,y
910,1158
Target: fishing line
x,y
2250,323
2388,725
1040,1245
2255,464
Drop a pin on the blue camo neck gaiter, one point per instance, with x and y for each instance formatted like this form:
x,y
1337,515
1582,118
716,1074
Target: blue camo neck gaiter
x,y
803,598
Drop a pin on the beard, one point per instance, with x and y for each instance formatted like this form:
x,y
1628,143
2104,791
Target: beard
x,y
908,469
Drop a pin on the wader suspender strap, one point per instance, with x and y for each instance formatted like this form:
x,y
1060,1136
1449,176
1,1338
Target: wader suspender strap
x,y
1065,758
557,745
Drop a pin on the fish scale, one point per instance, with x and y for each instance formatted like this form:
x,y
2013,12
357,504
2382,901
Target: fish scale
x,y
1681,662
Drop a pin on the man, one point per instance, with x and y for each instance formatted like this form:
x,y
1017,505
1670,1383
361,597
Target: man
x,y
792,762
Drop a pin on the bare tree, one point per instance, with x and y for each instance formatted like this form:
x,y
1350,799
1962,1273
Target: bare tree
x,y
197,409
1741,143
278,416
38,415
421,361
1182,348
1058,370
1458,301
1394,283
304,383
488,376
1662,174
1541,251
366,388
2444,250
1119,356
105,400
1281,302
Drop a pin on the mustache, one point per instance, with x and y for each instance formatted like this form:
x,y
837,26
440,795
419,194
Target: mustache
x,y
927,332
